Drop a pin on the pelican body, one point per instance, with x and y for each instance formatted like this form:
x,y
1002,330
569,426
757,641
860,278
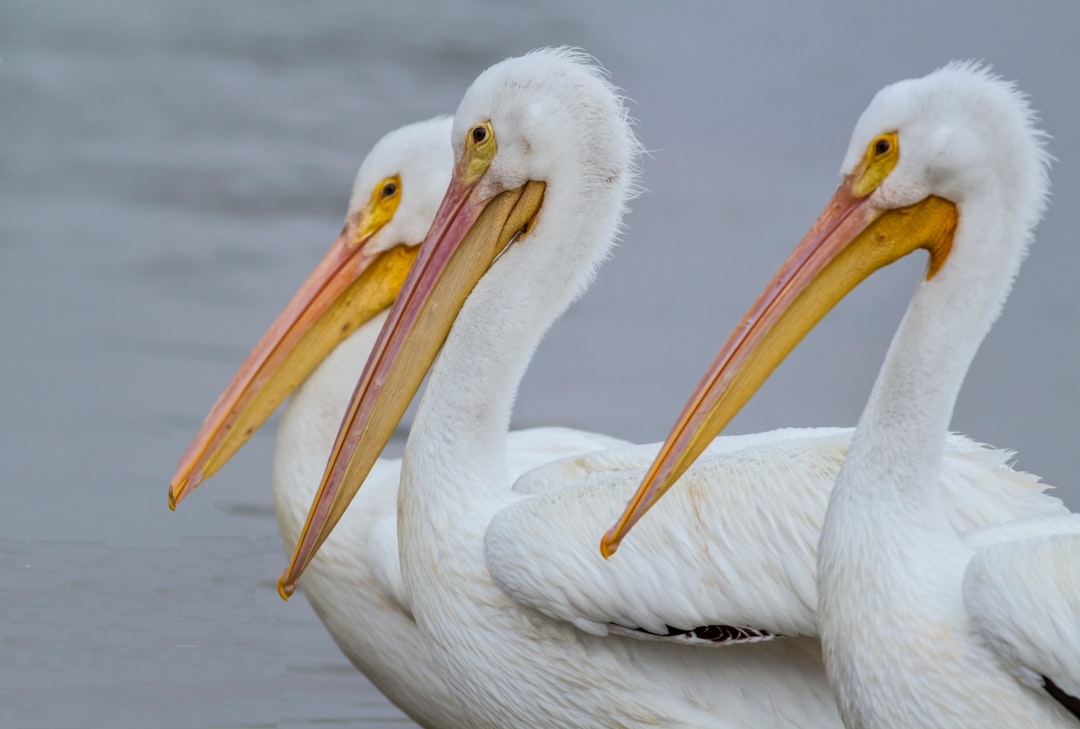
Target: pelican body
x,y
528,626
922,625
317,346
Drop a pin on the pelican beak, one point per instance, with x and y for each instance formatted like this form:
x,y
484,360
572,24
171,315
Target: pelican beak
x,y
348,287
468,234
850,240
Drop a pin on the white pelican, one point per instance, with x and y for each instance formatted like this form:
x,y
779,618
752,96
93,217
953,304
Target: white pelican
x,y
921,626
529,627
321,340
317,346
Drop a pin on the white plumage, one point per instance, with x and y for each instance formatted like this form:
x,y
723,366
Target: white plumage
x,y
922,625
969,138
528,625
355,583
735,544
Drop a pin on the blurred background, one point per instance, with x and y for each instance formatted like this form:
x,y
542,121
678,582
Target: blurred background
x,y
170,171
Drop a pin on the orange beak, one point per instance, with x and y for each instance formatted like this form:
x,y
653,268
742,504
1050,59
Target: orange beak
x,y
347,288
849,241
466,237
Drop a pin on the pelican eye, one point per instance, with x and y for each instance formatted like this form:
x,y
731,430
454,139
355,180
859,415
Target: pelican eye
x,y
879,160
384,201
480,150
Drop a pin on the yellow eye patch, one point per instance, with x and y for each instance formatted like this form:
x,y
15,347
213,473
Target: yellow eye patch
x,y
480,149
878,161
380,210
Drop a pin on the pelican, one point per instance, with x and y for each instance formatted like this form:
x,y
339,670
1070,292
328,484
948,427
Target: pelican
x,y
528,627
921,625
316,346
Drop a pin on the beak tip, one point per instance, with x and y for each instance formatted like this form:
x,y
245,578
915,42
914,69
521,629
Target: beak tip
x,y
285,589
182,484
609,544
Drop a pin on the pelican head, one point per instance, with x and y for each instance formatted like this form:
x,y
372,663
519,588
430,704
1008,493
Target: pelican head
x,y
410,165
960,133
951,163
544,160
550,116
395,196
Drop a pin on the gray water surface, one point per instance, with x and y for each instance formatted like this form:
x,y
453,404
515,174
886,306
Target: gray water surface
x,y
170,171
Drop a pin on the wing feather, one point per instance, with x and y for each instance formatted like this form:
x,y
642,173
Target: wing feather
x,y
734,544
1022,590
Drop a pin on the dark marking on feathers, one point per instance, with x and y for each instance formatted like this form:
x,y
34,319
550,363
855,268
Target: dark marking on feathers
x,y
1070,702
716,633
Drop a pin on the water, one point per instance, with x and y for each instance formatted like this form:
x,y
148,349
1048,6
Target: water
x,y
172,170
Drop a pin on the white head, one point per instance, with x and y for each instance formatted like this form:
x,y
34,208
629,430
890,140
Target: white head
x,y
555,118
553,112
413,162
962,134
